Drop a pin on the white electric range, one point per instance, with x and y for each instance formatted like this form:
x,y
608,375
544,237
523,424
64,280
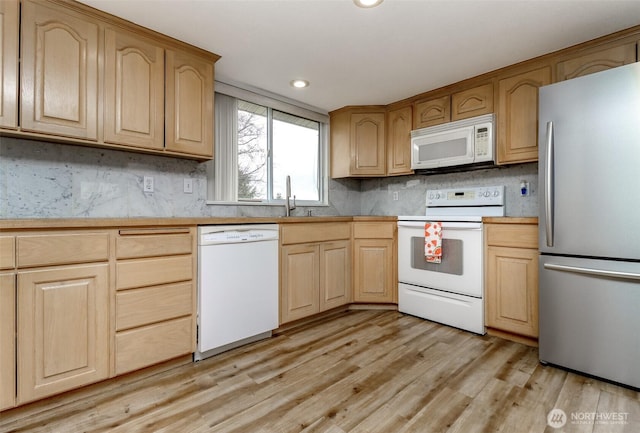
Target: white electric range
x,y
450,292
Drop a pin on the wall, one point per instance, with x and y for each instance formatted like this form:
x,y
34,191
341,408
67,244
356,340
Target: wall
x,y
49,180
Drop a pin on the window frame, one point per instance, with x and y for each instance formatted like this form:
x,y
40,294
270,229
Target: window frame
x,y
229,162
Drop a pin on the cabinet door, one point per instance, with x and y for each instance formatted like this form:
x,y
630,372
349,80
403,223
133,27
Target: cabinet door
x,y
596,62
335,274
374,270
431,112
299,281
472,102
512,290
134,90
63,329
399,141
59,74
7,340
518,116
9,17
189,104
367,144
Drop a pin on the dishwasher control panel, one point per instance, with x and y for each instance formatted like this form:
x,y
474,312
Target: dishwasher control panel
x,y
236,234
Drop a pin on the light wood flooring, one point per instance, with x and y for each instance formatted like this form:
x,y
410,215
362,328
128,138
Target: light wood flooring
x,y
362,371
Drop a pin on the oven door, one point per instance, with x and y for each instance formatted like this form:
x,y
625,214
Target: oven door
x,y
462,258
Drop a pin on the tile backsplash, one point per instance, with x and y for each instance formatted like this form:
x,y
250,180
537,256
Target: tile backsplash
x,y
50,180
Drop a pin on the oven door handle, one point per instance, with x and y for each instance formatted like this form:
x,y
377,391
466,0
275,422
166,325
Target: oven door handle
x,y
445,225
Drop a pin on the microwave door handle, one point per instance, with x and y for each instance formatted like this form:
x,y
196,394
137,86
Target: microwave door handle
x,y
548,187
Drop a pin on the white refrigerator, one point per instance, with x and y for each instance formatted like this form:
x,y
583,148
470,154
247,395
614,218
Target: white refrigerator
x,y
589,184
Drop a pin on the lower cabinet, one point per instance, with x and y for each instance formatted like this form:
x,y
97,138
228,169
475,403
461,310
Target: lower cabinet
x,y
511,253
80,306
314,276
63,329
155,296
375,262
7,340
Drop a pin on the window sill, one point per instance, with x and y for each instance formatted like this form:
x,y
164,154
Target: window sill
x,y
299,203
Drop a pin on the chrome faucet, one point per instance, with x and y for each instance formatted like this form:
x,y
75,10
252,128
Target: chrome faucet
x,y
287,205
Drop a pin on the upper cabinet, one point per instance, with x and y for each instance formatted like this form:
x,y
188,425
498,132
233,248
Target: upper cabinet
x,y
371,141
399,121
189,104
59,72
134,90
90,78
431,112
358,142
9,24
517,115
458,105
596,61
472,102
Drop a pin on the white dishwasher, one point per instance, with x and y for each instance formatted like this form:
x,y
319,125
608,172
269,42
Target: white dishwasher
x,y
237,286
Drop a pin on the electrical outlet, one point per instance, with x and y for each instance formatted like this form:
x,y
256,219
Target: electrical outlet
x,y
188,186
147,185
395,195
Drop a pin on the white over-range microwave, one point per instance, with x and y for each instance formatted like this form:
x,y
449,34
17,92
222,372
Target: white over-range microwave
x,y
468,141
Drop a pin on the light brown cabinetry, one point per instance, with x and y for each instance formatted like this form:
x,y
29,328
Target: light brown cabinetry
x,y
517,115
375,262
597,60
511,252
7,340
472,102
431,112
461,104
155,296
59,71
134,90
93,79
9,25
80,305
7,322
62,312
189,104
358,142
398,144
315,268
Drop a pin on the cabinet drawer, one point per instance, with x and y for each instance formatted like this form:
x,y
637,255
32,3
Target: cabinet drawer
x,y
141,347
374,230
139,307
314,232
7,252
152,272
56,249
512,235
153,245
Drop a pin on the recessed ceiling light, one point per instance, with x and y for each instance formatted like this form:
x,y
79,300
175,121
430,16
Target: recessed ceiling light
x,y
367,3
299,84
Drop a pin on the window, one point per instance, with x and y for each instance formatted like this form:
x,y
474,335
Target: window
x,y
261,142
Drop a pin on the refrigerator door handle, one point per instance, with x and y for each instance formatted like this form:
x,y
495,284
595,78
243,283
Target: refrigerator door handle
x,y
591,271
548,191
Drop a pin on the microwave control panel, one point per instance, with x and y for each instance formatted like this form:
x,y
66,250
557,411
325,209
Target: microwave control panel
x,y
483,142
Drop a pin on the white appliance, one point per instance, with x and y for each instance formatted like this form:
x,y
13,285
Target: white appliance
x,y
463,142
450,292
237,286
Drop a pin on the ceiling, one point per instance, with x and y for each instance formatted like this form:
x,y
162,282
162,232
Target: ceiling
x,y
354,56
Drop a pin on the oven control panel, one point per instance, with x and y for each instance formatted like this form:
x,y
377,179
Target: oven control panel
x,y
474,196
